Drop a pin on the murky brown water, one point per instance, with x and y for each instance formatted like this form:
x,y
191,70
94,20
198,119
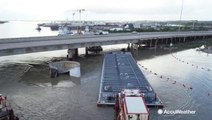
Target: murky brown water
x,y
36,96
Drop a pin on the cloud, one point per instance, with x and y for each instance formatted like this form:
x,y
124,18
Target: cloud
x,y
110,9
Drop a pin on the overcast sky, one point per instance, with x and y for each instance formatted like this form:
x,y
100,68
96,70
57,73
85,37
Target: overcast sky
x,y
105,10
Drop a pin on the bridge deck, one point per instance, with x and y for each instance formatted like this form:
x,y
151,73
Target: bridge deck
x,y
13,46
119,72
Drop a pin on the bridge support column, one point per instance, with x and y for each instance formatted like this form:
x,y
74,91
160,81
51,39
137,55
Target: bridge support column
x,y
175,39
203,37
86,51
167,41
128,47
156,42
146,43
150,45
178,40
135,46
162,41
76,52
131,46
184,40
194,38
72,53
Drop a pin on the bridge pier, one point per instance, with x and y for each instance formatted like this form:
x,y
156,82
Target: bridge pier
x,y
166,41
203,37
135,46
86,51
171,40
178,40
195,38
76,53
156,43
128,47
150,45
147,43
184,40
72,53
174,40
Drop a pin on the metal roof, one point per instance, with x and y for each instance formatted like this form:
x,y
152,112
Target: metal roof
x,y
135,105
121,72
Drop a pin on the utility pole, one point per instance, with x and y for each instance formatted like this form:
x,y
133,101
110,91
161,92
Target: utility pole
x,y
80,11
73,15
193,26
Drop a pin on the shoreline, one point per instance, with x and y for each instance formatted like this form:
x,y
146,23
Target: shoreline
x,y
206,49
193,45
2,22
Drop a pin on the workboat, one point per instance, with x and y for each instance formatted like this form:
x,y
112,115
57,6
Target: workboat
x,y
38,28
130,105
6,112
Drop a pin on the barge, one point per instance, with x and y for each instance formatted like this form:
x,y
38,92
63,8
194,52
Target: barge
x,y
120,71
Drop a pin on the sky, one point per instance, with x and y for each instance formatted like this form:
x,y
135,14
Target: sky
x,y
118,10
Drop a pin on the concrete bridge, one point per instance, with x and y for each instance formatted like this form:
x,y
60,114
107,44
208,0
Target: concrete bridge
x,y
13,46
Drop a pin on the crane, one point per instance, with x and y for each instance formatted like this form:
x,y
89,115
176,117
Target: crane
x,y
80,11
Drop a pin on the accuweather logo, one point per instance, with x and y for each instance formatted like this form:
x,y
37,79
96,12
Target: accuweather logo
x,y
175,112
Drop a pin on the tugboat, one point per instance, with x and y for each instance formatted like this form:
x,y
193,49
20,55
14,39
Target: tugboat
x,y
130,105
6,113
38,28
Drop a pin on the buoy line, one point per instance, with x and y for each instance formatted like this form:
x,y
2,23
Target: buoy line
x,y
166,78
193,65
189,87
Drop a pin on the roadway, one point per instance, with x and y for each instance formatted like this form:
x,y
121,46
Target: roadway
x,y
11,46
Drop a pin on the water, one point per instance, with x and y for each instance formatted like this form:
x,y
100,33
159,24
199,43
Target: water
x,y
176,96
23,29
35,96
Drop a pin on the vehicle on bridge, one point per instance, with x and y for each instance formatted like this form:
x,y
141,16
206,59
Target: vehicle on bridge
x,y
101,33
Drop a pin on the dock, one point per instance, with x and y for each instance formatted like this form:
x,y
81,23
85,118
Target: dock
x,y
120,71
